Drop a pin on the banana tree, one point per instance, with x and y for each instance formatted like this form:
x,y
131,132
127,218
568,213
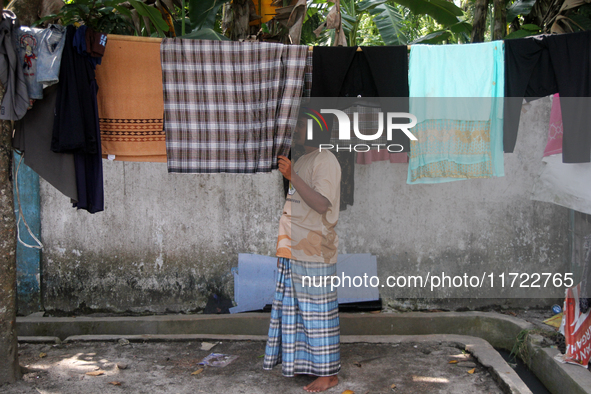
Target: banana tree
x,y
390,22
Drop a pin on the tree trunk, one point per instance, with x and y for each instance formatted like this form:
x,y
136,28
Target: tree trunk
x,y
9,368
500,20
479,25
241,14
27,11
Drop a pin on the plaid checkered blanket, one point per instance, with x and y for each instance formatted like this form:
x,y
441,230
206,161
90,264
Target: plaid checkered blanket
x,y
229,106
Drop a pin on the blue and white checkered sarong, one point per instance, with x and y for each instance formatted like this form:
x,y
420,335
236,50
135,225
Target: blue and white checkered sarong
x,y
304,332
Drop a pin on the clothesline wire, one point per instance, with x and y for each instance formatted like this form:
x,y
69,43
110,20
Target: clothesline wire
x,y
158,39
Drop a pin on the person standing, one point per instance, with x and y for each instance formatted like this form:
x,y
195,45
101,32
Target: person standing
x,y
304,333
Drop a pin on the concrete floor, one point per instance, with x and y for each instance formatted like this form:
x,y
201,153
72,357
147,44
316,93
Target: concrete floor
x,y
166,367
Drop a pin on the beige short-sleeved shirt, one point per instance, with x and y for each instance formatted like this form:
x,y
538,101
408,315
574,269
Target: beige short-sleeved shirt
x,y
305,234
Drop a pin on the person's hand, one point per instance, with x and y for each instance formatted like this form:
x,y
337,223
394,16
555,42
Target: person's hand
x,y
284,167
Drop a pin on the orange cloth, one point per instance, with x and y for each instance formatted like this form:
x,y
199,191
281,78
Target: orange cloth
x,y
130,101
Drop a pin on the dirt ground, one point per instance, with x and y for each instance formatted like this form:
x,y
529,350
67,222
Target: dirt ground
x,y
167,367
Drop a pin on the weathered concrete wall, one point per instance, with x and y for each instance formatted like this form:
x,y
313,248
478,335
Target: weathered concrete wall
x,y
165,241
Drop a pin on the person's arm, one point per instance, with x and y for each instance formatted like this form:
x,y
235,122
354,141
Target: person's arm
x,y
315,200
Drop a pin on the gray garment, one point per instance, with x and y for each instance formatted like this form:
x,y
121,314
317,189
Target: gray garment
x,y
28,40
49,55
16,99
33,136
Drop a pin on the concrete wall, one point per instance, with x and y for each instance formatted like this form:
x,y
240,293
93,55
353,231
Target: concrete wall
x,y
166,241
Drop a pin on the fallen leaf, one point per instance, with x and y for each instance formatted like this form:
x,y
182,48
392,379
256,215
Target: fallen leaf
x,y
41,355
453,362
197,372
207,345
115,383
95,373
261,356
348,392
375,312
472,370
392,386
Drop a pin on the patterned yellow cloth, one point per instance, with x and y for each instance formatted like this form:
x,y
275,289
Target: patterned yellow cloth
x,y
130,101
451,149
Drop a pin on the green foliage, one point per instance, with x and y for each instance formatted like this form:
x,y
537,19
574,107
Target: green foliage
x,y
102,15
387,19
525,31
444,12
520,7
202,13
152,14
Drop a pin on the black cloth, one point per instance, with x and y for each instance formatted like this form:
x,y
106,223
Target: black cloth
x,y
372,72
528,73
74,126
540,66
572,65
89,171
32,135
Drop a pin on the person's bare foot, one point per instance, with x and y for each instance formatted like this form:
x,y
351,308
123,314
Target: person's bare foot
x,y
322,383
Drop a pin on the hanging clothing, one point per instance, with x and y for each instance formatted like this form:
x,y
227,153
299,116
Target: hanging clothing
x,y
459,114
545,65
130,104
229,106
32,136
570,55
89,166
16,98
371,72
28,40
75,125
564,184
49,55
74,128
304,333
555,129
96,43
528,73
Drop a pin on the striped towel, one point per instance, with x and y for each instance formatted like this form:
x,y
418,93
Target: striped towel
x,y
229,106
304,333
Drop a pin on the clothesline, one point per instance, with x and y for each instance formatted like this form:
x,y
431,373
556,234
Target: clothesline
x,y
158,39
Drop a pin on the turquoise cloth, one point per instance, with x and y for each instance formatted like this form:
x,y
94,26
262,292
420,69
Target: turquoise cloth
x,y
457,96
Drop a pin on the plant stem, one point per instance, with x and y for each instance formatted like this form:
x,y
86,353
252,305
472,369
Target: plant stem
x,y
183,17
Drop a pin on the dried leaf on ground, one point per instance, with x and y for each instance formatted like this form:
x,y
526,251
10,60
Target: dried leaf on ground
x,y
115,383
95,373
348,392
41,355
392,386
453,362
472,370
197,372
207,345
